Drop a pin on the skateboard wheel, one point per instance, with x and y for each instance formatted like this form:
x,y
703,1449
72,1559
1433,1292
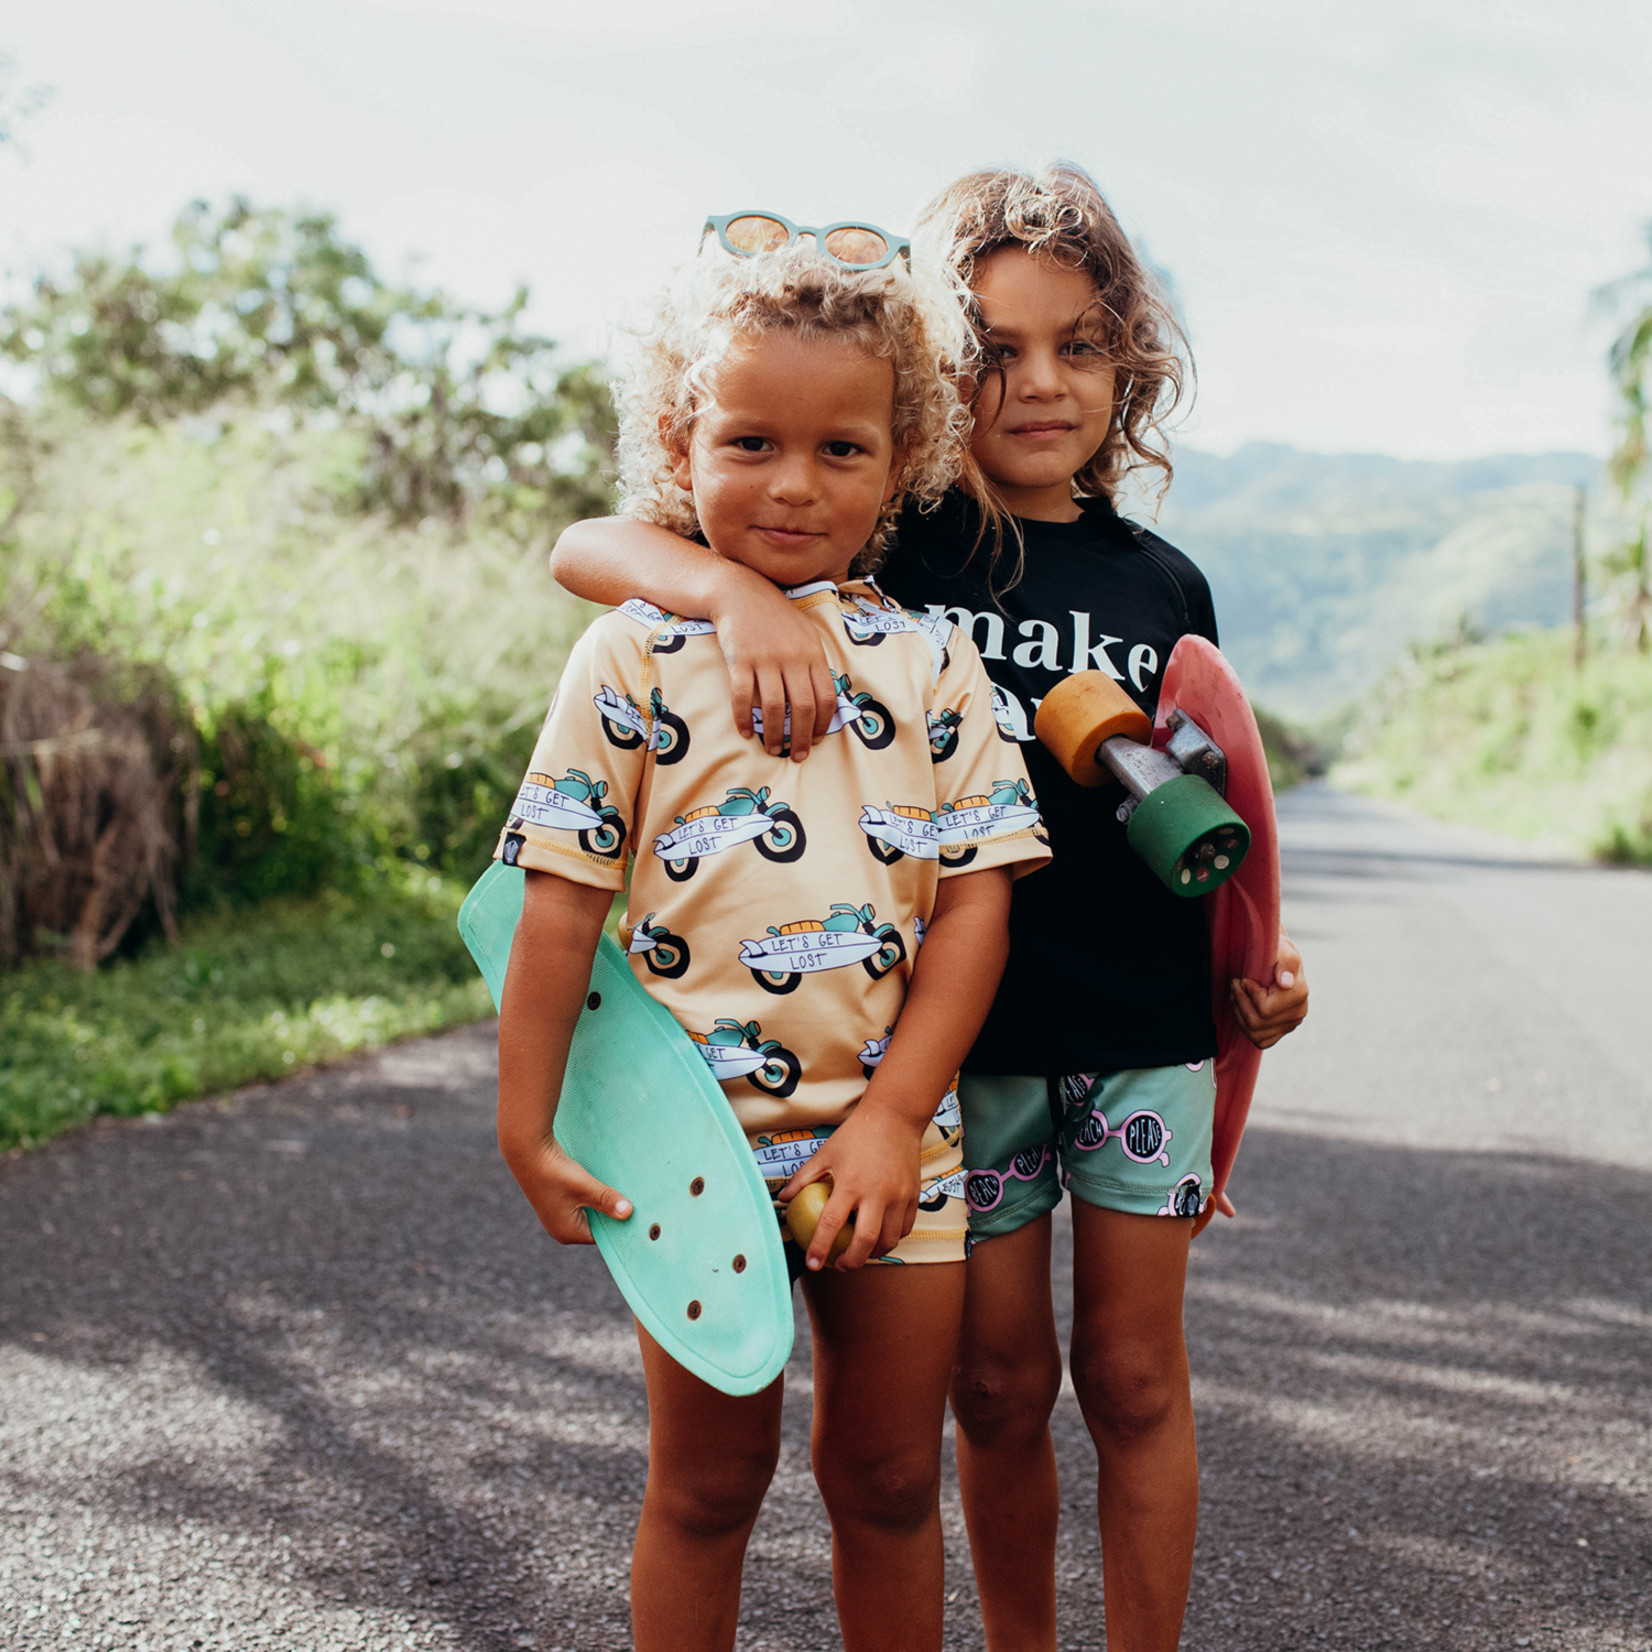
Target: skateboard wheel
x,y
803,1217
1078,714
1189,837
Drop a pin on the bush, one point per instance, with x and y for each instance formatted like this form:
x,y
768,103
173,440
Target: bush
x,y
244,997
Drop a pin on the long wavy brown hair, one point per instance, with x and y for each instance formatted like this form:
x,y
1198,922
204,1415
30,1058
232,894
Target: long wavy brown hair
x,y
1059,213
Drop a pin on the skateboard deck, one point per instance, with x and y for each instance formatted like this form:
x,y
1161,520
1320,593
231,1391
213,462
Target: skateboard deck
x,y
699,1259
1243,912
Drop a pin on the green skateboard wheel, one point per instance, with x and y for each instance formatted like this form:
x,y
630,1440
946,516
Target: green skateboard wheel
x,y
699,1260
1189,837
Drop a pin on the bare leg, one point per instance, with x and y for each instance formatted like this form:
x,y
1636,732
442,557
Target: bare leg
x,y
1130,1370
710,1459
883,1348
1003,1391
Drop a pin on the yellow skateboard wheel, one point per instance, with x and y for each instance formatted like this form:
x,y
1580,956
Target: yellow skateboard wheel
x,y
1078,714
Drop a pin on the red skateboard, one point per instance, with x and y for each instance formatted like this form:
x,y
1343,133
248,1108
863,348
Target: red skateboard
x,y
1199,808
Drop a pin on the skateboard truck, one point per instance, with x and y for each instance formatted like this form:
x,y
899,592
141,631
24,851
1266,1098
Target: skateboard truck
x,y
1173,811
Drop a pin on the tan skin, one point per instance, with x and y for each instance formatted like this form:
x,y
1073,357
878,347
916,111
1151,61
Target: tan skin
x,y
789,464
1033,432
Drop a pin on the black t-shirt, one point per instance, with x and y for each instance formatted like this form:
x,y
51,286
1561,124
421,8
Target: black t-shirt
x,y
1107,968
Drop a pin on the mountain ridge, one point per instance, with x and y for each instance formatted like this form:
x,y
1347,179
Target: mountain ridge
x,y
1325,567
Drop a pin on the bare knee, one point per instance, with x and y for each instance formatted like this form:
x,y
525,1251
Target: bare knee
x,y
997,1401
713,1497
895,1490
1129,1393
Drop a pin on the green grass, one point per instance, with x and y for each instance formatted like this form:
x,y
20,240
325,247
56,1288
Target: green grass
x,y
1508,735
248,995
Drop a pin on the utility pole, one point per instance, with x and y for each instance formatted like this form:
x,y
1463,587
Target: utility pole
x,y
1580,590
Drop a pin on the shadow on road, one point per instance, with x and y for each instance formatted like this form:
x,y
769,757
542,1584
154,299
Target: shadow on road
x,y
308,1361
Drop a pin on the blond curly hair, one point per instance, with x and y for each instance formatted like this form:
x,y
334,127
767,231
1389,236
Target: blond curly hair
x,y
910,319
1060,213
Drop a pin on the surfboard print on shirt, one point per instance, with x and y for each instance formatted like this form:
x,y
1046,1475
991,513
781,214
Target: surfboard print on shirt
x,y
744,816
868,624
962,824
737,1049
899,829
867,717
626,725
849,935
570,803
673,630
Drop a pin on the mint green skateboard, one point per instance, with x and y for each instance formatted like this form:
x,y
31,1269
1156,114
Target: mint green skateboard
x,y
699,1259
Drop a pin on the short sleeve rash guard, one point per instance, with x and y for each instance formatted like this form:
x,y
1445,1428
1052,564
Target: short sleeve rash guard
x,y
1107,968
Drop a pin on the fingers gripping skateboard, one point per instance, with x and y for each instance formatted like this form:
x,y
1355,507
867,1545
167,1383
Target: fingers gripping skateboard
x,y
1177,820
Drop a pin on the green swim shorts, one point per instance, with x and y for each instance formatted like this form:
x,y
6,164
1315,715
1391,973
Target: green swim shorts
x,y
1136,1141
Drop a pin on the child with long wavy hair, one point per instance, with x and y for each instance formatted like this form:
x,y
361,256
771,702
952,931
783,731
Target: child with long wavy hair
x,y
1104,1007
780,409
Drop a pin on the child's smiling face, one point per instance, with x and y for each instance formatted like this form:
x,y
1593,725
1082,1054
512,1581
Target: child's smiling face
x,y
1038,424
790,460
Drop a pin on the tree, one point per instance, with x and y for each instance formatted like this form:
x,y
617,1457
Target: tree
x,y
462,409
1630,362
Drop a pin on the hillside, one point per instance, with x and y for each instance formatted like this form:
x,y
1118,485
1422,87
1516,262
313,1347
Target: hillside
x,y
1325,566
1509,735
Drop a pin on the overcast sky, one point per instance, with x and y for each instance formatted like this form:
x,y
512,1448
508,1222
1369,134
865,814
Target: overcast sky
x,y
1384,223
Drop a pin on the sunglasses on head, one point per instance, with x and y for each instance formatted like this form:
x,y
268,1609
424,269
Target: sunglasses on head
x,y
852,245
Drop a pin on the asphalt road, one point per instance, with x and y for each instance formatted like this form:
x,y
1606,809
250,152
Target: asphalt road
x,y
295,1368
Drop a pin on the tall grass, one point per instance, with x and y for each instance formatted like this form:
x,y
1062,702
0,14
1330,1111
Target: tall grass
x,y
1509,736
362,692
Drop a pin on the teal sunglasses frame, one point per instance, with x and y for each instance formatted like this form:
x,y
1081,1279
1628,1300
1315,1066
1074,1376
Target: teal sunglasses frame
x,y
899,246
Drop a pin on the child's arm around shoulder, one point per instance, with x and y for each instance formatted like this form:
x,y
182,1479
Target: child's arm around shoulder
x,y
550,967
774,656
873,1158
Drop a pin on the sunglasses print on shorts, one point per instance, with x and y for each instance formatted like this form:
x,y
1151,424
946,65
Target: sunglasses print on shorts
x,y
984,1189
1141,1137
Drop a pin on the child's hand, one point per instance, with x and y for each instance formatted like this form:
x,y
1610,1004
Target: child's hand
x,y
1266,1013
775,662
872,1159
562,1190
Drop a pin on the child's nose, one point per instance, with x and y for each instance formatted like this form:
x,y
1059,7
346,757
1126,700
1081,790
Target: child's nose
x,y
1038,374
794,480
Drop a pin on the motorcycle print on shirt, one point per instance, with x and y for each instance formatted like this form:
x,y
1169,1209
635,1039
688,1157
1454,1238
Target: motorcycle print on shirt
x,y
850,935
781,1155
626,725
664,953
573,803
962,824
869,718
738,1049
744,816
899,829
674,633
867,624
943,733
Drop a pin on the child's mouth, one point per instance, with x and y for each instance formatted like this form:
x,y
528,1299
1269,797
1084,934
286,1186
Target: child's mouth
x,y
789,538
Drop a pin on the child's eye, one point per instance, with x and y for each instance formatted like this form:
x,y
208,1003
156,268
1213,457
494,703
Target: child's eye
x,y
842,450
1083,347
750,444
